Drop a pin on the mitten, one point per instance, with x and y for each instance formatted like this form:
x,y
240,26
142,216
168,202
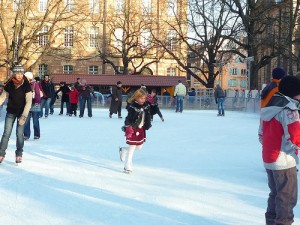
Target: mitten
x,y
129,132
22,120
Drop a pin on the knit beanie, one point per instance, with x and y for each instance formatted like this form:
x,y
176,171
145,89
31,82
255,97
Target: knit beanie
x,y
29,75
278,73
289,86
18,69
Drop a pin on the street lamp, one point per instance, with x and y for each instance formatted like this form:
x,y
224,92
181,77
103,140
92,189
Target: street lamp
x,y
248,60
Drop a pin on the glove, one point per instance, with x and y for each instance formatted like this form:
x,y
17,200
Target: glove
x,y
22,120
129,132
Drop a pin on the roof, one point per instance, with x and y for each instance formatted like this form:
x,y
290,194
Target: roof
x,y
127,80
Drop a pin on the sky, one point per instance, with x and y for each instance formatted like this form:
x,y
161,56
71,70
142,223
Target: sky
x,y
194,169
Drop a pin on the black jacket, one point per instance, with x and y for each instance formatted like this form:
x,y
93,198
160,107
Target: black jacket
x,y
135,114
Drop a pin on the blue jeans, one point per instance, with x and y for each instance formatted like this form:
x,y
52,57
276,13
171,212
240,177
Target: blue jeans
x,y
8,126
36,125
82,106
46,105
67,107
221,106
179,103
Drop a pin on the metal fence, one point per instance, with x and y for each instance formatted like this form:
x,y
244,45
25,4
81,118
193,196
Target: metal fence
x,y
247,103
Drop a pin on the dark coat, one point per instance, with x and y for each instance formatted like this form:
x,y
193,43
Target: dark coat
x,y
135,112
64,90
116,99
85,92
48,89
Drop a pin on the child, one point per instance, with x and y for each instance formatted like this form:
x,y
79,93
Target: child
x,y
279,134
137,122
73,94
152,99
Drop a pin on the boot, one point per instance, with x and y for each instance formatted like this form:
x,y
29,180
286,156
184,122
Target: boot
x,y
1,159
162,119
18,159
128,162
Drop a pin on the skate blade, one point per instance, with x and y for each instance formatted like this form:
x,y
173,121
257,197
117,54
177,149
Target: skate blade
x,y
127,171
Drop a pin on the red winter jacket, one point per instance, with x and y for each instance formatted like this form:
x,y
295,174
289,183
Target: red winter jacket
x,y
280,133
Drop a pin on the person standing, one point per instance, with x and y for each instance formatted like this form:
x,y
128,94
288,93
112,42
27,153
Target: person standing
x,y
279,135
48,89
77,84
19,102
154,109
137,121
85,97
73,95
220,98
268,92
116,100
180,92
166,97
64,89
35,108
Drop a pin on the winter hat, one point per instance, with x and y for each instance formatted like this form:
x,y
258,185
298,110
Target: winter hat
x,y
18,69
289,86
29,75
278,73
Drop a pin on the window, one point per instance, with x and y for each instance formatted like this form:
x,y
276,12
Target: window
x,y
171,71
69,5
171,39
43,5
94,6
232,83
16,4
43,70
93,69
118,36
119,6
243,84
145,38
93,37
43,36
146,7
172,7
68,69
69,36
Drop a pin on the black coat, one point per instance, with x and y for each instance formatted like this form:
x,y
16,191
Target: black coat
x,y
135,113
116,99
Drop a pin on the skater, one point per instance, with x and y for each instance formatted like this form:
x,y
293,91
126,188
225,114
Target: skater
x,y
35,108
116,100
64,89
180,92
220,98
85,97
18,106
137,122
73,95
154,109
279,135
48,89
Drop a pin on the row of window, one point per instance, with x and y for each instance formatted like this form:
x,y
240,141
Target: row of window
x,y
235,83
237,71
69,69
93,37
94,6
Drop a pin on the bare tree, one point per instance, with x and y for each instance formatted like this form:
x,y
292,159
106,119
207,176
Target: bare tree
x,y
127,43
211,27
31,31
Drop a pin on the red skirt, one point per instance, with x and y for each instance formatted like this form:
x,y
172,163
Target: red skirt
x,y
138,137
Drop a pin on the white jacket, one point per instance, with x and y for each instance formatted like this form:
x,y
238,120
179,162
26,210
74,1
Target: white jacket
x,y
180,90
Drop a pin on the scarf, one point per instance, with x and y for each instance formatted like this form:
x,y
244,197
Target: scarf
x,y
16,82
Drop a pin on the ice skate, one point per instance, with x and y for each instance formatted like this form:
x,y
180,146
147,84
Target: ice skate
x,y
1,159
18,160
122,153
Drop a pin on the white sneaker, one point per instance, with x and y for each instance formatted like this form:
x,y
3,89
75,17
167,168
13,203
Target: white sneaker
x,y
122,153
